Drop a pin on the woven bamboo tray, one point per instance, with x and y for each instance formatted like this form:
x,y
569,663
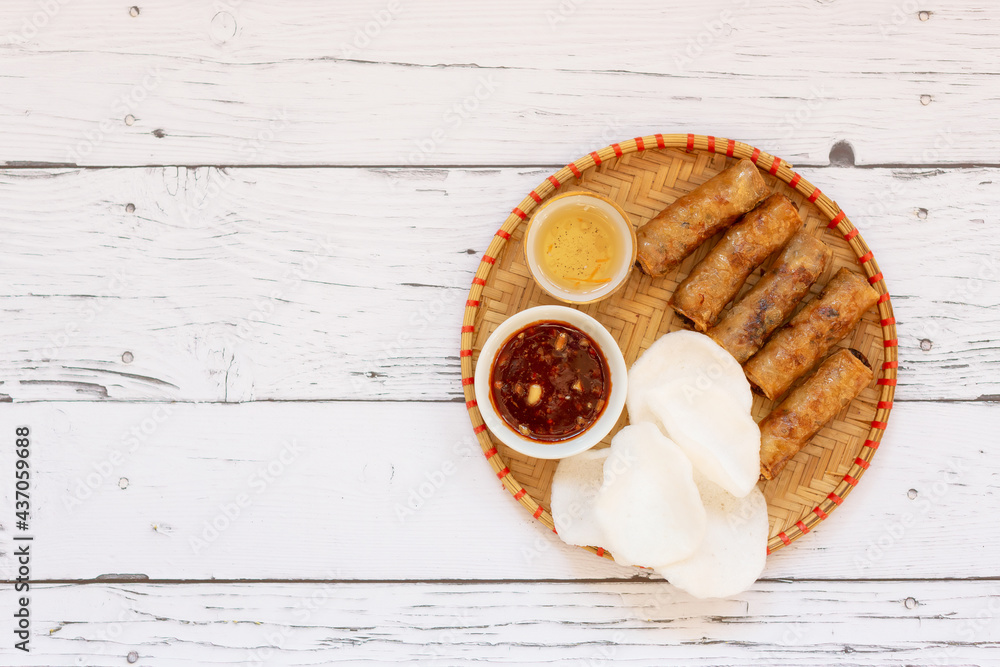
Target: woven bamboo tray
x,y
643,175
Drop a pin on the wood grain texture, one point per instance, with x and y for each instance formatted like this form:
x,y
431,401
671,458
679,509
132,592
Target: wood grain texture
x,y
956,38
220,84
305,284
152,314
386,490
632,623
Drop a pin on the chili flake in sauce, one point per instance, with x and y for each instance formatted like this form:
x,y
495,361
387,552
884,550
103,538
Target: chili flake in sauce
x,y
550,381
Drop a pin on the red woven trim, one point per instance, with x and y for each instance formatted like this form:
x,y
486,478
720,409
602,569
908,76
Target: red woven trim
x,y
600,552
886,365
867,257
774,166
871,444
769,551
795,181
617,149
820,513
490,453
784,538
538,512
488,259
892,342
877,277
554,181
755,155
573,168
465,353
502,234
640,145
597,158
659,141
730,147
879,425
711,143
861,462
519,213
887,321
850,480
836,220
478,281
479,429
883,298
850,235
690,143
471,303
815,195
835,498
467,381
884,405
468,328
534,195
519,494
888,382
503,473
470,404
801,526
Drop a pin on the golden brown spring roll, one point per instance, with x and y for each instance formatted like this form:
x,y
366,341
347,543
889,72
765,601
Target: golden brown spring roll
x,y
761,310
791,425
797,346
717,278
680,228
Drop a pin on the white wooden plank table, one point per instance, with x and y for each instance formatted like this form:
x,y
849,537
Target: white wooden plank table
x,y
237,238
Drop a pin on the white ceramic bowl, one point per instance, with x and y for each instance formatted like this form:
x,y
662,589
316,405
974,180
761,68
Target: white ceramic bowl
x,y
616,399
622,227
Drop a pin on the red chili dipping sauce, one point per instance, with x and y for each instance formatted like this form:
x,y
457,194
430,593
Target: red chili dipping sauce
x,y
550,381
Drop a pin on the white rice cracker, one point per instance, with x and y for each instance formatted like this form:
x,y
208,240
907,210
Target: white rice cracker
x,y
648,508
722,440
691,357
574,487
732,555
697,393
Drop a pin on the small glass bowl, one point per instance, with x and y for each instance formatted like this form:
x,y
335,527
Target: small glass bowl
x,y
620,224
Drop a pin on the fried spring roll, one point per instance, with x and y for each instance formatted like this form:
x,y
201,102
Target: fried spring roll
x,y
797,346
680,228
747,325
791,425
717,278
